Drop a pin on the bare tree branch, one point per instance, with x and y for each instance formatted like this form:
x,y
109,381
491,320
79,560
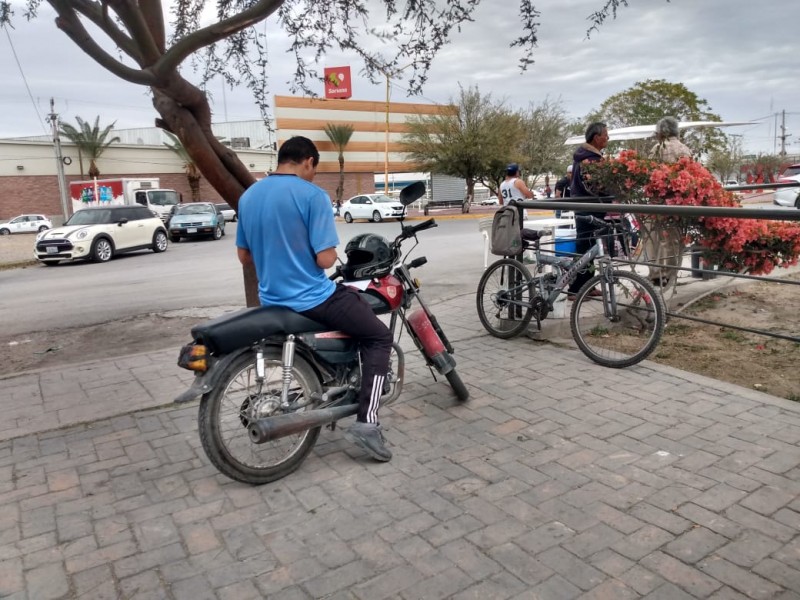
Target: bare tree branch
x,y
69,23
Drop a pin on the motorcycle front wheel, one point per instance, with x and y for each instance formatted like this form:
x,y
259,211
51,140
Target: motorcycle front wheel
x,y
228,409
454,379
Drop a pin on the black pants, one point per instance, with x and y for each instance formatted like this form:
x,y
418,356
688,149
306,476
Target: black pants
x,y
347,312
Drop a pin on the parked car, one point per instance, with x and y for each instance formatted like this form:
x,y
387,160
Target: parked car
x,y
371,206
789,173
100,233
730,182
227,211
196,219
25,224
788,196
490,201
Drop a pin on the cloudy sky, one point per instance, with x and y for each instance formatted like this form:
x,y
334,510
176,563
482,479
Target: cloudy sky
x,y
740,56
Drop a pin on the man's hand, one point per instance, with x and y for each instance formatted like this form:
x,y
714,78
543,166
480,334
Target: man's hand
x,y
244,257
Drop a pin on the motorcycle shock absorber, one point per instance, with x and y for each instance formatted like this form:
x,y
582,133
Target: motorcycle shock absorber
x,y
287,362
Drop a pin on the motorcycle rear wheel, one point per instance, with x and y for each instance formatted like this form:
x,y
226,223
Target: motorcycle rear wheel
x,y
226,411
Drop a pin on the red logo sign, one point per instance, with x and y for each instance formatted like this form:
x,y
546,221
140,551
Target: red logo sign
x,y
337,82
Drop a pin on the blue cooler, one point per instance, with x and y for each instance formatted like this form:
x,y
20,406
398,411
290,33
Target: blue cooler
x,y
565,241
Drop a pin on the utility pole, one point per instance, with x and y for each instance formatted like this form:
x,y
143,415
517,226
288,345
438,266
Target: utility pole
x,y
783,134
62,181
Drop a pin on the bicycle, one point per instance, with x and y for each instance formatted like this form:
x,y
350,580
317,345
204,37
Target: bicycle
x,y
617,317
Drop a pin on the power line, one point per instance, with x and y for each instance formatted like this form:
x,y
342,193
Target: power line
x,y
24,79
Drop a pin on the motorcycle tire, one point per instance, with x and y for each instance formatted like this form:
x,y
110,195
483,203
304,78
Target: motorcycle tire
x,y
454,379
225,413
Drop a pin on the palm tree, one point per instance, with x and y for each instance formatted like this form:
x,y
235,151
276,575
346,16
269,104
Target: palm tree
x,y
189,167
90,140
340,136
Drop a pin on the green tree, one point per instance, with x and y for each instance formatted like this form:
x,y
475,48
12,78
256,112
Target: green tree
x,y
90,140
340,136
545,127
474,140
726,162
646,102
192,172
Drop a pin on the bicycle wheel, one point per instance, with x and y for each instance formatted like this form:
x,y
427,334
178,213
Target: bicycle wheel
x,y
621,325
504,298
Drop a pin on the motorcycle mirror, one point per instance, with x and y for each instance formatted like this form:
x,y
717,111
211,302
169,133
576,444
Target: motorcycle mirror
x,y
412,192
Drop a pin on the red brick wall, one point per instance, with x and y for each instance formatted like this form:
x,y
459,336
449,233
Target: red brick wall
x,y
39,193
354,183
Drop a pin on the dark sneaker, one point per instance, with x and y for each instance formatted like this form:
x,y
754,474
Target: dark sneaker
x,y
369,437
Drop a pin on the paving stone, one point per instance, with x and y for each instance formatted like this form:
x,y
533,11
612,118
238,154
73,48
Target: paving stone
x,y
642,542
695,544
691,579
572,488
742,580
750,548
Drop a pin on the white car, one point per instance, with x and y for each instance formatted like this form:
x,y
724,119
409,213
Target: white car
x,y
491,201
227,211
100,233
376,207
25,224
788,196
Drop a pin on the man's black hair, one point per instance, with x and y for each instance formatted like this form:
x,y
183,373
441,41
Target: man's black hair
x,y
594,129
297,149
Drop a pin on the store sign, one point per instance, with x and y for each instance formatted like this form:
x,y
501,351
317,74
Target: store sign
x,y
337,82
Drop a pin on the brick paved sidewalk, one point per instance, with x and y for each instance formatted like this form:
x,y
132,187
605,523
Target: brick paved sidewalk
x,y
558,479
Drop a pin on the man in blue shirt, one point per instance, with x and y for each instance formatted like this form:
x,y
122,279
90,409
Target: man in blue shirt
x,y
286,230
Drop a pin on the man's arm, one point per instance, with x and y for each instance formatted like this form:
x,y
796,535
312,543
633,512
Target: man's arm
x,y
520,185
244,256
327,258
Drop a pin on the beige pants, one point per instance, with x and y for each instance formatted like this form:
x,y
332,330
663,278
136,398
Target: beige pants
x,y
665,248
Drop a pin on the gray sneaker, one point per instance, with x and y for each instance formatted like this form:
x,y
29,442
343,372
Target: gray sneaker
x,y
369,437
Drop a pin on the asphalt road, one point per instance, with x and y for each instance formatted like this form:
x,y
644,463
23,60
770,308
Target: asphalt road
x,y
203,273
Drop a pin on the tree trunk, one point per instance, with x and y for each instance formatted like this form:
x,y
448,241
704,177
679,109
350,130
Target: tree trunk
x,y
340,187
185,112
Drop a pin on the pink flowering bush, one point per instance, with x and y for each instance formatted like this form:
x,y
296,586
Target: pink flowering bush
x,y
739,245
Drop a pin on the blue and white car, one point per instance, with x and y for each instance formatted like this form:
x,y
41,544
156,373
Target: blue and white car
x,y
197,219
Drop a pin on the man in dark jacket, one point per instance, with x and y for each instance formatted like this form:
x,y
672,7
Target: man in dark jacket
x,y
591,151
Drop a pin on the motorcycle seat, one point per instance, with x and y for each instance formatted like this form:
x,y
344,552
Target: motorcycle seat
x,y
246,327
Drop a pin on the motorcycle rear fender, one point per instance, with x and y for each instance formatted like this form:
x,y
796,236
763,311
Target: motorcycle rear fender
x,y
206,382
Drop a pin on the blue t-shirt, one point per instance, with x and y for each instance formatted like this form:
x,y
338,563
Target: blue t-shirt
x,y
285,221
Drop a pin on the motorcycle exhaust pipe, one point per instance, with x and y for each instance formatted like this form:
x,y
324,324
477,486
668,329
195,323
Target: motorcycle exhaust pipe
x,y
272,428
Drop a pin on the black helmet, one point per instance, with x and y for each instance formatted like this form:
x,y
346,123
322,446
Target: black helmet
x,y
368,256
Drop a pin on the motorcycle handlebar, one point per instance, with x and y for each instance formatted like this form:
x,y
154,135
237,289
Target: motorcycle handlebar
x,y
411,230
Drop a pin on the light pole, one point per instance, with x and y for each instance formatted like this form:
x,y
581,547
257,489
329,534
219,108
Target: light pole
x,y
386,132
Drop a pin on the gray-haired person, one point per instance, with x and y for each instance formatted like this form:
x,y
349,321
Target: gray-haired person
x,y
664,246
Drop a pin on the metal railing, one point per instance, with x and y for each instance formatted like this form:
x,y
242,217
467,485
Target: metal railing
x,y
605,204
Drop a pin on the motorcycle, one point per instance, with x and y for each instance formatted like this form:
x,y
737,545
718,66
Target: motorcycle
x,y
270,378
